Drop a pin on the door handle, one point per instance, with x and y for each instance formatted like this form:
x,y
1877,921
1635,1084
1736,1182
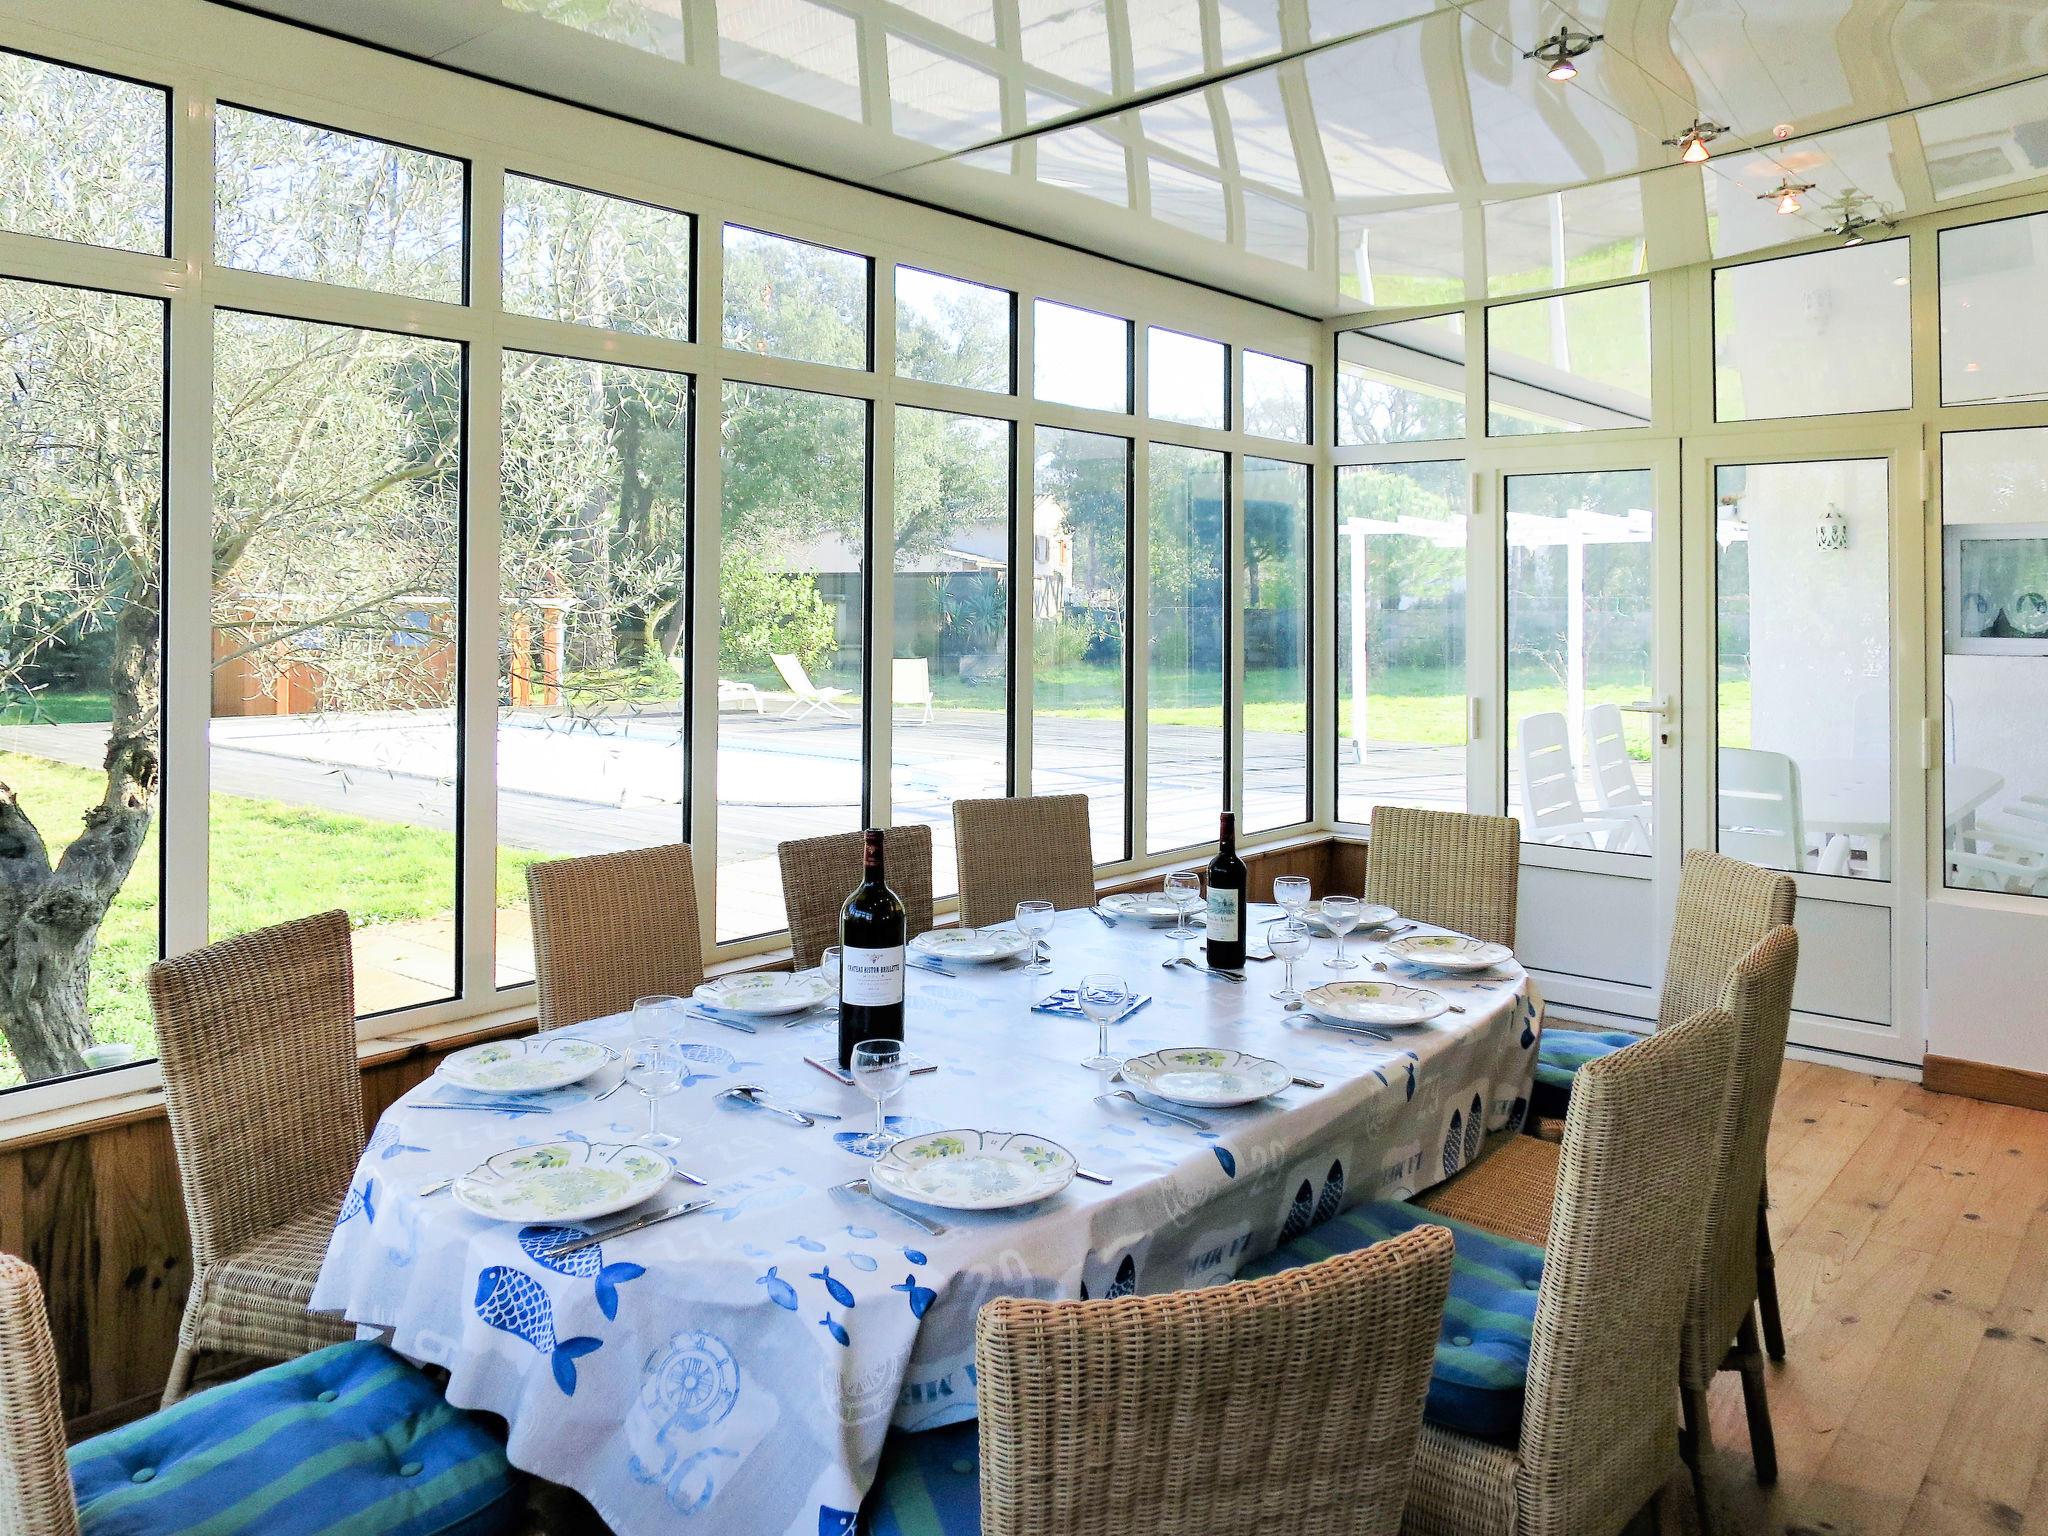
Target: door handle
x,y
1661,708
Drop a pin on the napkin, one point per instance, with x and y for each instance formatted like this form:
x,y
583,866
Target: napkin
x,y
1062,1003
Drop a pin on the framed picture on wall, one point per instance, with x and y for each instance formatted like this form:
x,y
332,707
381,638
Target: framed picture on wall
x,y
1995,589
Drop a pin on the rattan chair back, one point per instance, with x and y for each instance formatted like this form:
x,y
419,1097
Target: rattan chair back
x,y
819,873
1450,868
610,927
35,1482
1025,848
1725,907
1287,1406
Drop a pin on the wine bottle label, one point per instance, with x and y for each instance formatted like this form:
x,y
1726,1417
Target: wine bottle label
x,y
1226,918
871,978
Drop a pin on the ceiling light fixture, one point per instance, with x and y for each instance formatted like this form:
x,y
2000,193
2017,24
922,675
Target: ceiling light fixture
x,y
1852,223
1560,49
1786,194
1692,143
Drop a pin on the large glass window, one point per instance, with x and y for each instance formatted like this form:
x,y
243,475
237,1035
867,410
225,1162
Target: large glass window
x,y
1276,644
788,298
299,201
1575,363
337,521
1185,633
84,155
1803,578
1188,378
952,332
949,683
593,621
1401,714
1814,335
1995,659
1994,327
1402,383
595,260
791,563
1080,357
1579,647
1080,584
1276,400
81,594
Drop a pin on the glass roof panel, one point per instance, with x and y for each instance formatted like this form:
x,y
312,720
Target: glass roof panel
x,y
940,100
970,18
1373,111
1578,235
652,26
1403,257
1259,129
792,49
1188,199
1067,38
1986,142
1086,160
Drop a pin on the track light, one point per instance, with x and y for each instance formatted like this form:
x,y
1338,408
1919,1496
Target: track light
x,y
1560,49
1786,194
1691,144
1852,222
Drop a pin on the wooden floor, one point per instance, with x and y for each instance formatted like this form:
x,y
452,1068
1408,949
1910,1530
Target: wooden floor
x,y
1912,1238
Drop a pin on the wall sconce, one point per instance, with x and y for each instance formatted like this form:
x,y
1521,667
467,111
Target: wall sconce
x,y
1833,533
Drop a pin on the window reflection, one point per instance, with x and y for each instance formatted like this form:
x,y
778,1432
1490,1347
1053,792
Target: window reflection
x,y
1276,398
1402,383
1814,335
1184,659
1994,335
1575,363
1276,641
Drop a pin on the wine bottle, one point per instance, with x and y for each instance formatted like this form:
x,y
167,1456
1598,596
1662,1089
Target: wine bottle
x,y
872,928
1227,884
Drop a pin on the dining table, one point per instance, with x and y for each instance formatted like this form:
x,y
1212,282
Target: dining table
x,y
739,1367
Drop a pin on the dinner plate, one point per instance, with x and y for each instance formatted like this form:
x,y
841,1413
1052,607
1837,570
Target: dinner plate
x,y
1145,906
530,1065
562,1181
974,1170
1373,1002
1206,1076
766,992
971,946
1448,951
1371,914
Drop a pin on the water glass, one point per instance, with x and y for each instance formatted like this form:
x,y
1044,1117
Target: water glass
x,y
656,1015
1291,892
1340,916
828,967
655,1069
1034,921
880,1069
1102,998
1184,890
1288,938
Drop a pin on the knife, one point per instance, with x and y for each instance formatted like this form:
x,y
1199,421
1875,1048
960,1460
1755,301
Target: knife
x,y
621,1228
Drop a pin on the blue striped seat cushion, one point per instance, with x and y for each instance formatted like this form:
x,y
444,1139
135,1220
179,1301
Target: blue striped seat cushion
x,y
1561,1052
1482,1350
348,1441
929,1484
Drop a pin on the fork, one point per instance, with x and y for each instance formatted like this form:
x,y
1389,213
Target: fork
x,y
1151,1109
866,1190
1103,917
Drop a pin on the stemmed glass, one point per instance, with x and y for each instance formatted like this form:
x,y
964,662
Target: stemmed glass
x,y
655,1069
1291,892
655,1016
880,1069
1184,890
1102,997
1340,916
1288,938
1034,921
828,967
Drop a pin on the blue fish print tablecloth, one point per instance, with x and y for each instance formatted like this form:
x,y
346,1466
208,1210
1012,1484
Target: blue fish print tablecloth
x,y
735,1370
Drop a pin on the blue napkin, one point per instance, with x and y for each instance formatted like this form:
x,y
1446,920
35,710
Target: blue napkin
x,y
1063,1003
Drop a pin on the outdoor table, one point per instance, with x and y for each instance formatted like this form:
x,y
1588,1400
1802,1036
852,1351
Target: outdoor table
x,y
1852,797
743,1364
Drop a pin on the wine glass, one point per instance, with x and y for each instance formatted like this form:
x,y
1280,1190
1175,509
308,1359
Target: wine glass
x,y
1184,890
1288,938
828,967
1292,894
654,1016
655,1069
1102,997
1340,916
1034,920
880,1068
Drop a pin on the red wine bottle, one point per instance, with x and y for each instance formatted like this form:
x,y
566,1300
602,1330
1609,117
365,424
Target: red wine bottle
x,y
1227,885
872,929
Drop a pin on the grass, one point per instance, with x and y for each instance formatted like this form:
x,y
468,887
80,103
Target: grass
x,y
46,708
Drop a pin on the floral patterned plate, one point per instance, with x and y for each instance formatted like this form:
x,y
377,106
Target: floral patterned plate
x,y
765,992
530,1065
562,1181
1145,907
971,946
1448,951
1206,1075
1373,1002
974,1170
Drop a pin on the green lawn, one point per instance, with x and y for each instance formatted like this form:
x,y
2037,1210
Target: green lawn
x,y
51,708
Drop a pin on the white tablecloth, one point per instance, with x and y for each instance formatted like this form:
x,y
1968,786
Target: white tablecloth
x,y
742,1365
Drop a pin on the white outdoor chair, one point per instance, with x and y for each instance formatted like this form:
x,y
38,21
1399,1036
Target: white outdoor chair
x,y
729,691
910,685
1760,818
1614,776
809,696
1550,793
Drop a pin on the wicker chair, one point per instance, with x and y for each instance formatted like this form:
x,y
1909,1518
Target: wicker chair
x,y
818,873
1284,1405
257,1037
1026,848
35,1483
1600,1409
610,927
1458,871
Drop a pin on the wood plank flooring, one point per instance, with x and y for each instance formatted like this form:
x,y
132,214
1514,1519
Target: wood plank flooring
x,y
1912,1237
